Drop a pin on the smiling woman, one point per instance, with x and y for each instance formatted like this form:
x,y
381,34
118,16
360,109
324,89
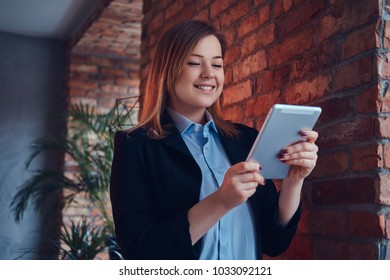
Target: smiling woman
x,y
180,185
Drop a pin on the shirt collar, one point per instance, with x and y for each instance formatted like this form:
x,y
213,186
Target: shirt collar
x,y
183,124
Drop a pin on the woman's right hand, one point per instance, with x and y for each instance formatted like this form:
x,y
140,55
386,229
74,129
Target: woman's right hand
x,y
240,183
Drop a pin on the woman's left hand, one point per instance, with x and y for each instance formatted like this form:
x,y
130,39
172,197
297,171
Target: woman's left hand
x,y
302,156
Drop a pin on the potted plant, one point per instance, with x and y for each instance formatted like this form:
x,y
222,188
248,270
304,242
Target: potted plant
x,y
88,144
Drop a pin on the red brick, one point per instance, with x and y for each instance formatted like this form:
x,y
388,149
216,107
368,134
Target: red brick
x,y
384,98
234,113
367,158
263,103
353,131
291,47
280,7
76,92
386,156
84,68
324,57
113,89
82,85
113,72
385,35
383,189
325,222
384,66
331,164
259,39
128,82
346,17
254,21
366,224
367,101
79,59
203,15
328,249
306,91
237,93
307,196
234,13
230,35
232,56
228,76
257,3
383,130
336,108
300,16
249,105
98,61
218,6
301,248
271,80
173,9
187,12
359,41
328,55
359,190
354,74
251,65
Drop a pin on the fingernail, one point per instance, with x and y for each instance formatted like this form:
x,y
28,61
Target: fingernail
x,y
260,167
281,156
264,182
303,133
284,151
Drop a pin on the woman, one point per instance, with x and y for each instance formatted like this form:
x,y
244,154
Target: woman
x,y
180,186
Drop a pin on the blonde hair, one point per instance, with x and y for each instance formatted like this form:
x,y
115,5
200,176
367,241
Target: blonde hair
x,y
169,57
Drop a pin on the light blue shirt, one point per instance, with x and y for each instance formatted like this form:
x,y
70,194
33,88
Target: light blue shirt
x,y
233,236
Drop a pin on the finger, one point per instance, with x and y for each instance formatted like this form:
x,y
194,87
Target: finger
x,y
300,147
310,135
304,163
244,167
299,155
254,176
249,186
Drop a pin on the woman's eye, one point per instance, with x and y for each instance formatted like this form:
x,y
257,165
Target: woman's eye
x,y
217,65
193,63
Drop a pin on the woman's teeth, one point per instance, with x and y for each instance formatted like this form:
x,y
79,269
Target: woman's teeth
x,y
205,87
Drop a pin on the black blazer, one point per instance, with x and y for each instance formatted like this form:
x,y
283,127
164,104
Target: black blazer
x,y
155,182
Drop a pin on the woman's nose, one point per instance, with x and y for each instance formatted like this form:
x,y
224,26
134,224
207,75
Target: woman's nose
x,y
208,73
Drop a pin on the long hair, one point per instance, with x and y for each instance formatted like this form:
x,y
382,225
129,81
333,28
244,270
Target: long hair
x,y
173,47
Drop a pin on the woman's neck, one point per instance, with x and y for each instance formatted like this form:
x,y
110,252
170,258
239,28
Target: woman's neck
x,y
196,116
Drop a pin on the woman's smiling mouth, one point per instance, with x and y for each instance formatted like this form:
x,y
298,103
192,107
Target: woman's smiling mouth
x,y
204,87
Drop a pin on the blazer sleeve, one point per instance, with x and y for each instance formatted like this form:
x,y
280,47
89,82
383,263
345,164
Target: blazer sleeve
x,y
276,238
139,233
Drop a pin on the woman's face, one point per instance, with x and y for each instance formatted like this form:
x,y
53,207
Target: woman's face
x,y
201,79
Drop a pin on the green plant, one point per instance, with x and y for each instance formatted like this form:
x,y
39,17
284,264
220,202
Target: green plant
x,y
82,240
88,144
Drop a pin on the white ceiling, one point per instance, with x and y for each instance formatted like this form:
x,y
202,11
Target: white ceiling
x,y
58,19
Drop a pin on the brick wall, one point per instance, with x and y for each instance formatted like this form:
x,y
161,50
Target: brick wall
x,y
314,52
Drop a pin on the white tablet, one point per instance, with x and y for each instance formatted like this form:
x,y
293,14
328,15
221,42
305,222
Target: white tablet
x,y
280,129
